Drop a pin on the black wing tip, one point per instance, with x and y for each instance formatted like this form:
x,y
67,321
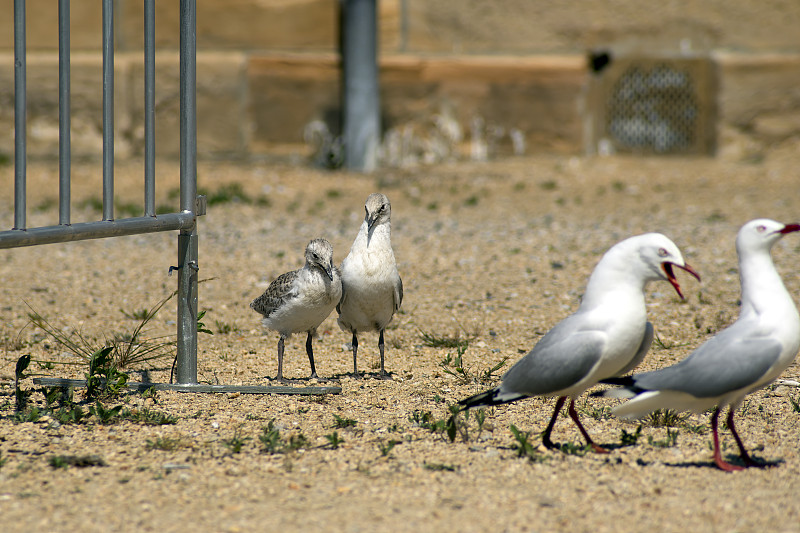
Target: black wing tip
x,y
483,399
625,382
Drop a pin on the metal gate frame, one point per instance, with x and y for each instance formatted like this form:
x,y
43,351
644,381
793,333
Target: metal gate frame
x,y
191,205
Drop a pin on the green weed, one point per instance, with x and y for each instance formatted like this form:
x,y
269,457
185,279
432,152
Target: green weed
x,y
166,444
334,441
236,442
630,439
384,447
341,423
523,446
668,442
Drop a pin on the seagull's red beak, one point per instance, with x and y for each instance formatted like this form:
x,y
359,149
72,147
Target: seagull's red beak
x,y
789,228
671,275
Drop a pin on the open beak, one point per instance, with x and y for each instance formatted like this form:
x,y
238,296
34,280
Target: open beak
x,y
671,275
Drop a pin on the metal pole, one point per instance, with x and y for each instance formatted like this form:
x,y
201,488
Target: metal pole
x,y
149,108
361,120
64,134
108,109
186,369
20,110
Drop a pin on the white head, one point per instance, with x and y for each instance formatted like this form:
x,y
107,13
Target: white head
x,y
378,211
761,234
651,256
319,254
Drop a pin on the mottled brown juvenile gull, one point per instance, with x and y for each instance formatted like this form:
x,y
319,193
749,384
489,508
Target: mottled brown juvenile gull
x,y
372,290
298,301
748,355
607,336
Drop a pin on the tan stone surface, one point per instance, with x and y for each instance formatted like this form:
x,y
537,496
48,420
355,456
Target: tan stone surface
x,y
498,252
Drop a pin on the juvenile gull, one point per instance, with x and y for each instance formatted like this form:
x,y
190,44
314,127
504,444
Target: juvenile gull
x,y
746,356
372,290
300,300
607,336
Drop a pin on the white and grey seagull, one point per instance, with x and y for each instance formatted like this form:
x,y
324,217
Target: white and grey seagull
x,y
372,290
607,336
299,301
748,355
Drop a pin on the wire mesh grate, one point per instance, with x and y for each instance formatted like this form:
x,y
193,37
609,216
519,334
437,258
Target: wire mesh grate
x,y
653,109
660,105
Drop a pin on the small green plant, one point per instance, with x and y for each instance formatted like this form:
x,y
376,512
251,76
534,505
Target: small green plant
x,y
297,442
342,423
488,374
31,415
439,467
128,350
103,378
148,417
598,413
236,442
150,394
630,439
572,448
384,447
138,314
80,461
166,444
666,418
201,327
105,416
455,366
668,442
58,461
523,446
434,341
334,441
270,438
72,415
795,404
223,328
664,346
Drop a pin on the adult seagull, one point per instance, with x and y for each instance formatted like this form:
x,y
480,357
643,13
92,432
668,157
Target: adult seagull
x,y
746,356
607,336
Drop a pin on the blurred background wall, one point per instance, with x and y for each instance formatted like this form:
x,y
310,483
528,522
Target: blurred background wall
x,y
512,74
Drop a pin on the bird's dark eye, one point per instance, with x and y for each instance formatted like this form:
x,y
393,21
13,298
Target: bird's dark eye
x,y
662,252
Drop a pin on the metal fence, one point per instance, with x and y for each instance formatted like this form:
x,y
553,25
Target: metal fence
x,y
191,206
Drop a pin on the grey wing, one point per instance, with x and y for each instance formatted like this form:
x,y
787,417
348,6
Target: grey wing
x,y
647,340
342,299
398,293
559,360
723,364
279,291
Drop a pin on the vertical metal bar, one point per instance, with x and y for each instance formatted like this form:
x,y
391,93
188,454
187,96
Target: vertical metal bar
x,y
20,111
64,134
187,240
108,109
361,120
149,108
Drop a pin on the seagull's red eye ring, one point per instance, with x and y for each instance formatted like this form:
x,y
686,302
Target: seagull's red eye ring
x,y
761,229
662,252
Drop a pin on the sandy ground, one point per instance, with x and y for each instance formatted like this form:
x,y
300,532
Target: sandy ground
x,y
493,253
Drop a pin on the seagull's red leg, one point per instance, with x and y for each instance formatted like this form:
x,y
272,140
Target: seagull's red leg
x,y
745,456
574,415
721,463
546,435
